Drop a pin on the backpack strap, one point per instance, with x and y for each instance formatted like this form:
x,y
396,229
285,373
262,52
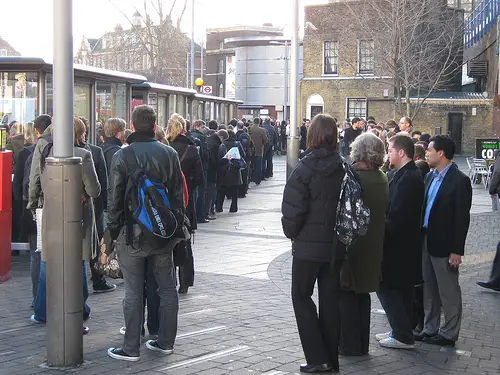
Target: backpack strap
x,y
184,154
131,165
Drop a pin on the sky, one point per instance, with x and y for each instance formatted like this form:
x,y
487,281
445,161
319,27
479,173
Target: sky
x,y
27,24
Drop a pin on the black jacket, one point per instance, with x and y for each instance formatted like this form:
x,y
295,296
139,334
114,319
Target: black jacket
x,y
228,174
246,143
213,143
272,134
110,147
101,202
303,137
20,172
402,259
423,167
193,171
450,214
162,165
310,202
203,147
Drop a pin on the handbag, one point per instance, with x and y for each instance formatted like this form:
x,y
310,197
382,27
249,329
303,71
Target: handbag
x,y
107,260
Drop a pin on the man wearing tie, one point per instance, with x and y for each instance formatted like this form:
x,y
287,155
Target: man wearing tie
x,y
448,198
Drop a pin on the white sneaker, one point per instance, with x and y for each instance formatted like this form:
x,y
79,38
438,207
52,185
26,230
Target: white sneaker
x,y
33,319
123,330
392,343
383,336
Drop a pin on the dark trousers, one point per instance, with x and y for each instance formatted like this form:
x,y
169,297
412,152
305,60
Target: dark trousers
x,y
186,271
35,260
151,299
257,169
495,271
200,203
267,168
398,305
243,188
209,199
355,310
418,308
232,192
133,266
319,335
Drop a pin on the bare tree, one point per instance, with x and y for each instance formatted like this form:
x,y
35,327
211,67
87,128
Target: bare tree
x,y
417,43
155,45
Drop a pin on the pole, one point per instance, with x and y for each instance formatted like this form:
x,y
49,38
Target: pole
x,y
187,69
285,96
192,47
292,154
202,58
62,210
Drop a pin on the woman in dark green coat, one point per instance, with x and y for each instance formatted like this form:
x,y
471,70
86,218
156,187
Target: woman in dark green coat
x,y
361,271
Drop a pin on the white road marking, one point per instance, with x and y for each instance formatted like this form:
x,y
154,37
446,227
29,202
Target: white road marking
x,y
201,332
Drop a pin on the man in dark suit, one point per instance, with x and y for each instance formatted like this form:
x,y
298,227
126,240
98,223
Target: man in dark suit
x,y
448,199
401,263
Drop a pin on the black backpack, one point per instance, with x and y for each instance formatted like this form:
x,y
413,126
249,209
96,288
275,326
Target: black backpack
x,y
147,205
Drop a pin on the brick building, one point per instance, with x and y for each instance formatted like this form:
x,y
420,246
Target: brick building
x,y
345,74
342,74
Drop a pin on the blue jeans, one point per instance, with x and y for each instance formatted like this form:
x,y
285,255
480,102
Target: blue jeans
x,y
257,171
40,305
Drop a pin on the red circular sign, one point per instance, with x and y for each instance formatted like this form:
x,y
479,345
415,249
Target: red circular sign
x,y
207,89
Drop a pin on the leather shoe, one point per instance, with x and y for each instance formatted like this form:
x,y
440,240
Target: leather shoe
x,y
311,369
203,221
421,336
488,285
439,340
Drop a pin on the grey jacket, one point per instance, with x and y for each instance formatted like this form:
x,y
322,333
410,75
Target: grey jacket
x,y
35,187
90,189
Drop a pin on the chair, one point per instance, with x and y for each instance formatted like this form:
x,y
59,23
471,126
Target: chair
x,y
479,169
470,164
488,177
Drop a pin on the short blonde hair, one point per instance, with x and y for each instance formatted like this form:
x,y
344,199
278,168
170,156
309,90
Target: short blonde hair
x,y
176,125
113,126
368,148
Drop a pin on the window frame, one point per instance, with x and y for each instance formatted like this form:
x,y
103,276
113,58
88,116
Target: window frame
x,y
357,99
366,72
336,73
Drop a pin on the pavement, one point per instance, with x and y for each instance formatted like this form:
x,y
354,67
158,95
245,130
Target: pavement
x,y
238,318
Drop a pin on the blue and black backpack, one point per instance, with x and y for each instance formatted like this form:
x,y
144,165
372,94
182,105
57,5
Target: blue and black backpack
x,y
147,204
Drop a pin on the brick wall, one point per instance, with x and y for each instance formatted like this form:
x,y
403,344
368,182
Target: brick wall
x,y
435,114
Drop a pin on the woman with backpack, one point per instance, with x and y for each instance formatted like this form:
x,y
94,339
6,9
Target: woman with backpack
x,y
309,217
362,268
192,168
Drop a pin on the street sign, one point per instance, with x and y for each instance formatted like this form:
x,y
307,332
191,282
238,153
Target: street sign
x,y
206,89
487,147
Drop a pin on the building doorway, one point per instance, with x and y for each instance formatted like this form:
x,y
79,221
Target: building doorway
x,y
455,125
315,105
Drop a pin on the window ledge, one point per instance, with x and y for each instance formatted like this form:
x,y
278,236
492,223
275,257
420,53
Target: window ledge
x,y
330,75
365,74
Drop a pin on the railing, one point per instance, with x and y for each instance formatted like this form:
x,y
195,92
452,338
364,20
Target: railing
x,y
481,21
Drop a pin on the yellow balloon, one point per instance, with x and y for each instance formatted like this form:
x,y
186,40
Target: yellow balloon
x,y
199,82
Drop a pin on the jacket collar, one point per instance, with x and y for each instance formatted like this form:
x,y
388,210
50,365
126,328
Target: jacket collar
x,y
407,167
113,141
141,137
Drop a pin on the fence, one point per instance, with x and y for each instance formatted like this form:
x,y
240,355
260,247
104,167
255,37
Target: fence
x,y
481,21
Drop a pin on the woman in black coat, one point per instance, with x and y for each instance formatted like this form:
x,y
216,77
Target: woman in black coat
x,y
309,215
229,173
193,172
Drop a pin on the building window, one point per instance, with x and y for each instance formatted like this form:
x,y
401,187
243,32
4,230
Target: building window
x,y
331,57
3,52
221,66
366,57
356,108
221,45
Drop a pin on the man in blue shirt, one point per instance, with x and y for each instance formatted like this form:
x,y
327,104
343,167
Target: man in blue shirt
x,y
447,204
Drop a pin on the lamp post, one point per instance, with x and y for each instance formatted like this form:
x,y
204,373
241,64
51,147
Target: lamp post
x,y
292,154
192,46
62,210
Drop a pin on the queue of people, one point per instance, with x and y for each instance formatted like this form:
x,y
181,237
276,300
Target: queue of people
x,y
409,254
197,164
